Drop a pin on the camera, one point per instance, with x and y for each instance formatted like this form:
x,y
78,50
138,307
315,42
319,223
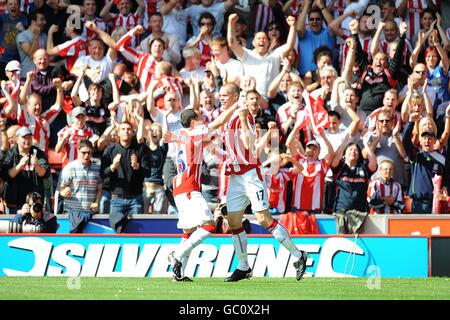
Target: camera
x,y
14,227
37,207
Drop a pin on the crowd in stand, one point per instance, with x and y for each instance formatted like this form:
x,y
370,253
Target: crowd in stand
x,y
351,104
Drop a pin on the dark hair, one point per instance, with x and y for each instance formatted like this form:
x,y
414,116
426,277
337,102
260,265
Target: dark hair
x,y
187,116
321,52
33,196
155,14
157,39
430,11
334,114
360,158
32,16
206,15
316,10
85,143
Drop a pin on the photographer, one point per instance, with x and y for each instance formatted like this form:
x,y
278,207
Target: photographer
x,y
25,168
31,218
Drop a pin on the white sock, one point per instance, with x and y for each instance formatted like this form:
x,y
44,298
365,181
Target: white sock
x,y
240,248
185,247
281,234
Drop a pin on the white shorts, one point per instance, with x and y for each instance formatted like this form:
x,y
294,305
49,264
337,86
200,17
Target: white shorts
x,y
245,189
193,210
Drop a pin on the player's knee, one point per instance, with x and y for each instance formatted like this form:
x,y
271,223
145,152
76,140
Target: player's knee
x,y
264,218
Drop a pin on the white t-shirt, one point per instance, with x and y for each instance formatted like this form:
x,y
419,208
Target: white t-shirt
x,y
233,69
263,69
217,10
105,66
175,23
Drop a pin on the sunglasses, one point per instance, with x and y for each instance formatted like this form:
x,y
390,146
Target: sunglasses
x,y
273,29
315,19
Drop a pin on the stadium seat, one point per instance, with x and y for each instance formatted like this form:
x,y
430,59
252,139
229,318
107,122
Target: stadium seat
x,y
55,160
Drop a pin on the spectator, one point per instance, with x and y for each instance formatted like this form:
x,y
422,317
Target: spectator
x,y
28,41
42,84
315,36
426,163
71,49
352,174
90,14
258,63
309,179
11,23
172,52
32,217
155,200
230,69
216,9
25,168
99,64
381,75
204,39
385,194
81,187
126,163
387,145
32,116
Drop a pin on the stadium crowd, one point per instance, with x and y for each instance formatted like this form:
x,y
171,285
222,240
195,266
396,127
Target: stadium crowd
x,y
350,102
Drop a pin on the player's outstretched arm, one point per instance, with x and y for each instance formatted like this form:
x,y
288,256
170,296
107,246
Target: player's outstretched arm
x,y
223,117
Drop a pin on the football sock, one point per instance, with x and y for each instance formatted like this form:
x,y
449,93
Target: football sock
x,y
240,248
280,233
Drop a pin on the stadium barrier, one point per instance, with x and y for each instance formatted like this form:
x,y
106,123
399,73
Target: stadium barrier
x,y
440,257
146,256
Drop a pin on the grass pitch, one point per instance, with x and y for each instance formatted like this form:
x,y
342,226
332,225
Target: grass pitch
x,y
23,288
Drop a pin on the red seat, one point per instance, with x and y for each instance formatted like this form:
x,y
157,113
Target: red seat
x,y
54,159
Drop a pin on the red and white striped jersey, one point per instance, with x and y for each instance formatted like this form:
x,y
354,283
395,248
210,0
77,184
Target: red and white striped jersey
x,y
99,22
371,119
414,10
385,46
277,188
171,82
70,150
40,126
338,7
308,186
283,114
378,190
128,22
144,63
205,51
151,6
207,116
14,90
240,160
71,50
365,44
189,159
264,15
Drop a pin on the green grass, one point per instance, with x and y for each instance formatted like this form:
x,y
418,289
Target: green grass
x,y
214,289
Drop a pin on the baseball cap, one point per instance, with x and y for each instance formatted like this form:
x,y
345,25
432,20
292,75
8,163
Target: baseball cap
x,y
13,65
428,133
23,131
313,142
77,111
